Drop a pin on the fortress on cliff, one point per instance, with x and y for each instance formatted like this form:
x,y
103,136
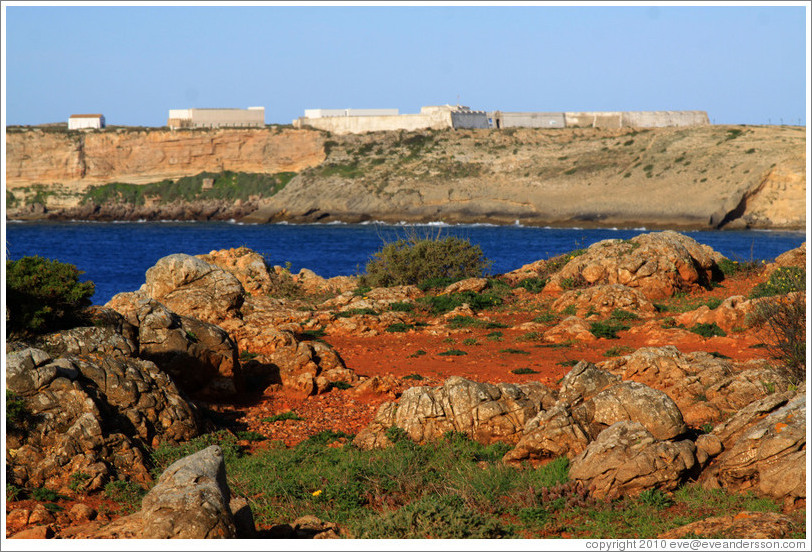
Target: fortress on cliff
x,y
354,121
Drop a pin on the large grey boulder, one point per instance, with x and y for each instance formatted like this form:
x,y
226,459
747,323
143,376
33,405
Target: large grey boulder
x,y
190,501
626,459
483,411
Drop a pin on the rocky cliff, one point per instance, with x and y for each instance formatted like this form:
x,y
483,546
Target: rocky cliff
x,y
699,177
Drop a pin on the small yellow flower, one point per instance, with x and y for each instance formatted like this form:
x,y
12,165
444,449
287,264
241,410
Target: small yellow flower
x,y
317,493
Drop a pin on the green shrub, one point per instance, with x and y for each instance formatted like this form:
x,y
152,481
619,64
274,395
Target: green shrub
x,y
655,498
546,318
620,314
708,330
413,260
357,312
523,371
282,416
399,327
77,480
44,294
250,436
343,385
42,494
512,351
607,329
399,306
440,304
784,280
415,376
452,352
533,285
127,493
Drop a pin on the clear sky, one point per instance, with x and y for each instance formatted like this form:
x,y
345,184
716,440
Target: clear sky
x,y
742,64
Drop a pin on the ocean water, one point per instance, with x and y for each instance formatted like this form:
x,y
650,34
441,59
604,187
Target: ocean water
x,y
115,256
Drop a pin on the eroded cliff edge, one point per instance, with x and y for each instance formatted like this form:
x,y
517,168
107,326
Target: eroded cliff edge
x,y
700,177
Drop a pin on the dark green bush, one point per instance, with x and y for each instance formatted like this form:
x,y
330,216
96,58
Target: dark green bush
x,y
533,285
412,261
44,294
708,330
606,330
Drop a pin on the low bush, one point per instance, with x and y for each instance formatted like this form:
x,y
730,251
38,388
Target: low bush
x,y
607,330
784,280
412,261
533,285
44,295
708,330
282,416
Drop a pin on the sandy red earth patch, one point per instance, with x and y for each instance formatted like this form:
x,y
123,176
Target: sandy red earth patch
x,y
490,355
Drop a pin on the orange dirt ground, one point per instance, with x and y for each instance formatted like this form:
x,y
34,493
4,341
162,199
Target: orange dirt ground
x,y
486,361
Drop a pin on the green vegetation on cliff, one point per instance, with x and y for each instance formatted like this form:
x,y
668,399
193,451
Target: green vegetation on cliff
x,y
206,185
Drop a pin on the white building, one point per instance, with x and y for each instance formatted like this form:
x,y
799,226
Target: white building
x,y
94,120
356,121
216,118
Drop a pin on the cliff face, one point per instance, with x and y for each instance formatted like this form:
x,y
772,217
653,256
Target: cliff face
x,y
79,159
698,177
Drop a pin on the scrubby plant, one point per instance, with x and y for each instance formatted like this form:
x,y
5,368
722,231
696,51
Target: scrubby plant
x,y
607,330
128,493
784,280
452,352
782,323
44,294
282,416
413,260
523,371
399,306
533,285
708,330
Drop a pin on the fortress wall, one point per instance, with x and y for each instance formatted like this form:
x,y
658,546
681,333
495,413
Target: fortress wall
x,y
598,119
527,120
664,118
356,125
469,119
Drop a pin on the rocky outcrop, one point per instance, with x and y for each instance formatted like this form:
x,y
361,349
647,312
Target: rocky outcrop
x,y
194,288
743,525
765,455
657,264
589,401
703,386
483,411
191,500
626,459
90,413
602,300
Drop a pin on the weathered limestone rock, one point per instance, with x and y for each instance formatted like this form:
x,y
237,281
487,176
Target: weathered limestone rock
x,y
200,357
731,314
483,411
768,457
474,285
550,434
657,264
584,381
249,267
602,299
636,402
190,501
90,413
571,327
192,287
704,387
744,525
626,459
590,400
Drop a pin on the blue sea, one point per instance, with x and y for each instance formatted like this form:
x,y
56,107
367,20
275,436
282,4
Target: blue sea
x,y
115,256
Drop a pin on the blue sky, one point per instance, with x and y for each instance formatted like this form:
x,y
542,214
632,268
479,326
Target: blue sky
x,y
742,64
